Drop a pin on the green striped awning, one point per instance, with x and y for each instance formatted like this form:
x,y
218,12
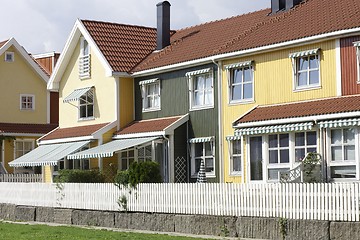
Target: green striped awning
x,y
356,44
340,123
201,140
275,129
148,81
304,53
233,138
108,149
239,65
76,94
197,72
48,154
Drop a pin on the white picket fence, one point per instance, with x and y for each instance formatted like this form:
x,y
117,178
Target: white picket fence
x,y
20,178
335,202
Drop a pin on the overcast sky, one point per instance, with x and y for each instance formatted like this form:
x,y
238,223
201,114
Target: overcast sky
x,y
44,25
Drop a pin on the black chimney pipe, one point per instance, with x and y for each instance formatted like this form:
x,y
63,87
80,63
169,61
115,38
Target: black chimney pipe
x,y
163,24
277,5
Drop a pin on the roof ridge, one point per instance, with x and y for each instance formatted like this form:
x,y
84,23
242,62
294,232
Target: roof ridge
x,y
120,24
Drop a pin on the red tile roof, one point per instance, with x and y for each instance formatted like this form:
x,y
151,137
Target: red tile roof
x,y
72,132
123,46
303,109
152,125
26,128
310,18
3,43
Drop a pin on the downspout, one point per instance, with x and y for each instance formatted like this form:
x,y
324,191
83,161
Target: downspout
x,y
220,122
168,157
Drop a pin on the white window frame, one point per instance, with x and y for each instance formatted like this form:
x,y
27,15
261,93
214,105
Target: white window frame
x,y
127,158
27,96
357,46
230,75
84,60
12,57
192,91
22,141
203,157
85,105
306,145
343,162
232,155
145,96
296,72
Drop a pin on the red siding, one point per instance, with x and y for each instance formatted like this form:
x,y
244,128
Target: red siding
x,y
54,107
349,66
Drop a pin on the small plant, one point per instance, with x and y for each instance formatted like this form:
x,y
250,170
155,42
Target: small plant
x,y
283,227
312,169
122,202
79,176
224,231
60,194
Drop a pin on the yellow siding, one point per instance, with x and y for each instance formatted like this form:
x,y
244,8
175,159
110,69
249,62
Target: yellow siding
x,y
105,92
107,137
126,101
47,174
21,79
273,83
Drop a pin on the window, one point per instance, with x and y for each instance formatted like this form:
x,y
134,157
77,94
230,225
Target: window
x,y
27,102
126,158
22,147
306,66
84,59
145,153
9,56
235,157
279,155
305,142
342,152
202,151
86,105
151,95
201,89
241,84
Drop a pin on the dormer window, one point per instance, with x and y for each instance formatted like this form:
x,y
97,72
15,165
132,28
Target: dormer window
x,y
9,56
84,59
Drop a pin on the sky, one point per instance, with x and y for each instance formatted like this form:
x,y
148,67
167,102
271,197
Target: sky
x,y
42,26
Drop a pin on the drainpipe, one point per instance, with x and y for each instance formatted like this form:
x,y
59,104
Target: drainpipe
x,y
220,122
169,158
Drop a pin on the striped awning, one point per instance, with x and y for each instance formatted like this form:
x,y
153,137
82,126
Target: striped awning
x,y
148,81
356,44
76,94
47,154
275,129
233,138
304,53
340,123
201,140
108,149
239,65
206,70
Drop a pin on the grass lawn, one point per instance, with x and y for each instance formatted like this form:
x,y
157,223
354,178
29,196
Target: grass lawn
x,y
11,231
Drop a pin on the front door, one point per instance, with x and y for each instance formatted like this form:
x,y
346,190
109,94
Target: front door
x,y
256,159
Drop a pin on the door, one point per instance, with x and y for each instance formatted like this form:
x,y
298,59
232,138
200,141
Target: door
x,y
256,166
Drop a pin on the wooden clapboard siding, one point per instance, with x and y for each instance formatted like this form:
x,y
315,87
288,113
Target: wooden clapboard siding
x,y
349,75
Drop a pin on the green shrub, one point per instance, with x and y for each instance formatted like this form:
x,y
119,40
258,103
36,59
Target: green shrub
x,y
139,172
79,176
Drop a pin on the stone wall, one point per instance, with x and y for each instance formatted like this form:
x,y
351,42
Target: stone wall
x,y
243,227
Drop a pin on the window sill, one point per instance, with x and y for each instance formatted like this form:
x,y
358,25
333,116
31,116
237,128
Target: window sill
x,y
241,102
235,174
201,108
85,77
27,110
151,110
86,119
301,89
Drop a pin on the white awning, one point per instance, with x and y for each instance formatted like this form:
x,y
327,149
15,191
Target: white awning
x,y
275,129
239,65
304,53
201,140
340,123
76,94
356,44
206,70
233,138
148,81
108,149
47,154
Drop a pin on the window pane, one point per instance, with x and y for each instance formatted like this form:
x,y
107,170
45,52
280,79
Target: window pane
x,y
208,97
82,111
237,76
236,92
131,153
90,97
284,156
124,165
343,172
208,151
247,75
336,136
237,147
336,153
197,164
273,156
86,164
349,136
209,165
77,164
284,140
300,139
27,146
311,138
313,62
299,154
199,96
314,77
90,110
149,102
199,82
274,173
248,91
123,154
273,141
148,151
303,63
198,150
313,150
208,82
349,153
236,164
302,79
